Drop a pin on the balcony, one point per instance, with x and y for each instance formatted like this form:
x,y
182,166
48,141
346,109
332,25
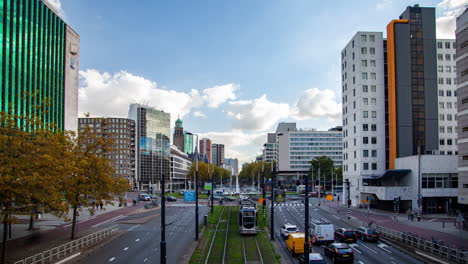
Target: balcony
x,y
388,193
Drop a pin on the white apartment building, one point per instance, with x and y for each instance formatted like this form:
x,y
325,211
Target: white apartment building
x,y
363,89
297,147
270,148
447,86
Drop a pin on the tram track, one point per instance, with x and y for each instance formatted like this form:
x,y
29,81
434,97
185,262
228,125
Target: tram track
x,y
226,235
214,236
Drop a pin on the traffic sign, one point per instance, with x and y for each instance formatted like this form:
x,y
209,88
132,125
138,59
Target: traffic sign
x,y
189,196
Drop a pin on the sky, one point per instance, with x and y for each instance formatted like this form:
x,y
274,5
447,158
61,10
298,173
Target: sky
x,y
231,70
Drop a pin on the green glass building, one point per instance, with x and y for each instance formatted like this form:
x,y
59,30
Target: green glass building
x,y
39,55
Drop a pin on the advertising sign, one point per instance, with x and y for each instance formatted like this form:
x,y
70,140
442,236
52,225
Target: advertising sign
x,y
189,196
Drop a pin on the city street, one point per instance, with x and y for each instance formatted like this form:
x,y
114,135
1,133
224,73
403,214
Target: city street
x,y
141,241
292,212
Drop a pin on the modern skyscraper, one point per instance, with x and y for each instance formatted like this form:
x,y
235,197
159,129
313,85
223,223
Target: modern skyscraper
x,y
122,133
232,165
189,148
153,145
39,52
217,151
462,77
178,137
205,149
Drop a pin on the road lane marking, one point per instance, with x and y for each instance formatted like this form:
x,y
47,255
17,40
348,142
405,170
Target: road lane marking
x,y
136,240
382,246
336,217
111,259
146,259
69,258
125,249
429,257
133,227
360,262
354,248
362,244
110,220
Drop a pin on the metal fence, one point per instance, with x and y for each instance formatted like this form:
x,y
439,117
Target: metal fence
x,y
67,249
436,248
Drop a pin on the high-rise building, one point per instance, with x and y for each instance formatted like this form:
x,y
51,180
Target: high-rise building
x,y
122,133
398,101
298,147
269,148
180,166
232,165
205,149
153,145
39,52
178,137
217,151
189,148
447,95
462,77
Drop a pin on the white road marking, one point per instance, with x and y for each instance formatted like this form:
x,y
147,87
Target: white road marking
x,y
362,244
110,220
382,246
360,262
336,217
133,227
354,246
136,240
146,259
125,249
111,259
432,258
69,258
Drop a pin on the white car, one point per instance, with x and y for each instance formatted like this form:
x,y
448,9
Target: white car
x,y
287,229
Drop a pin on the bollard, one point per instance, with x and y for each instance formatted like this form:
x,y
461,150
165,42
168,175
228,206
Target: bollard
x,y
205,220
443,223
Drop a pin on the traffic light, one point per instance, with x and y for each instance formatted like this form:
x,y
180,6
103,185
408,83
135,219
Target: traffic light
x,y
298,183
279,183
349,202
316,182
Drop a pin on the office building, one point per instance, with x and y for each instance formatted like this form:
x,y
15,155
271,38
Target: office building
x,y
462,84
121,131
153,146
205,149
33,60
270,148
178,138
180,166
217,151
189,147
232,165
398,102
298,147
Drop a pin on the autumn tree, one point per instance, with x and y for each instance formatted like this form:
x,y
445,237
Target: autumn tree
x,y
322,167
254,169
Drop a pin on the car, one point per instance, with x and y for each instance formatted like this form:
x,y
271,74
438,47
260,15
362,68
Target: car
x,y
339,253
346,235
229,198
314,258
287,229
181,192
313,194
367,234
144,197
171,198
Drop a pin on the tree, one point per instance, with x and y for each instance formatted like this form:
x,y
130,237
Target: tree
x,y
325,165
254,169
91,177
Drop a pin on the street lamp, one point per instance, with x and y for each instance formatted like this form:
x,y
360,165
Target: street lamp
x,y
196,196
212,187
163,208
306,223
272,221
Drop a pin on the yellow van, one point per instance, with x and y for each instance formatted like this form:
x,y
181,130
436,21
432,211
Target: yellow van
x,y
295,243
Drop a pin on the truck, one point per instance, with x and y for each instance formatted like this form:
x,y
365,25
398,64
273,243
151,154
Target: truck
x,y
322,233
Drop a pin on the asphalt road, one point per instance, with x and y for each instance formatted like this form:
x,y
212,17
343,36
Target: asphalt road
x,y
292,212
141,242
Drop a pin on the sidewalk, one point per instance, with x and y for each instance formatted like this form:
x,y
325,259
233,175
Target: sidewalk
x,y
429,226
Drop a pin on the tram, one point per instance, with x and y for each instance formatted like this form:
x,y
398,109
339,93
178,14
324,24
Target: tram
x,y
248,217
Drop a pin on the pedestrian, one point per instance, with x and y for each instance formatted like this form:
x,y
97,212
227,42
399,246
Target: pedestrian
x,y
338,199
101,205
408,213
412,216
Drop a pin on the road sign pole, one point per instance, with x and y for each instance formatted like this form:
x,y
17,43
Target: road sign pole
x,y
306,220
196,200
272,220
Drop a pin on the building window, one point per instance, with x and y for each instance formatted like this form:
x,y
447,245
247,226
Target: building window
x,y
448,81
364,63
441,80
374,153
363,38
441,117
365,114
449,142
373,101
449,129
365,88
449,117
439,45
448,93
447,57
372,50
373,127
374,140
440,68
355,154
372,63
374,166
440,57
365,101
354,142
366,166
355,167
364,75
441,105
363,50
365,140
441,129
354,92
449,105
374,114
373,88
441,92
447,45
371,38
353,68
365,153
365,127
442,142
448,69
373,76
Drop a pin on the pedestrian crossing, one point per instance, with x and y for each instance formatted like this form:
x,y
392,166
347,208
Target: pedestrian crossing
x,y
290,204
182,205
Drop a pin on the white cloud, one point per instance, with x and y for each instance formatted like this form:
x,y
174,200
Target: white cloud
x,y
446,23
383,4
218,95
199,114
315,103
259,114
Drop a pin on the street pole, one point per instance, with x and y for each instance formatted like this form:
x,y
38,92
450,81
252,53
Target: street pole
x,y
163,210
212,187
306,223
263,190
333,185
348,196
196,198
272,221
320,187
419,201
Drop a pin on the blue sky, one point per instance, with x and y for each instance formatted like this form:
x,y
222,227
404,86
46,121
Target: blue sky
x,y
259,58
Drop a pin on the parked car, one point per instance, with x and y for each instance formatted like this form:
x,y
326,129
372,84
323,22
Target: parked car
x,y
287,229
339,252
314,258
229,198
171,198
313,194
322,233
144,197
346,235
365,233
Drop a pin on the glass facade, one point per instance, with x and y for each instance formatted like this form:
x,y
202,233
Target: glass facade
x,y
188,143
32,52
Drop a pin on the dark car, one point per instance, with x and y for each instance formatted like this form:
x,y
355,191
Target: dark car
x,y
171,198
367,234
339,253
346,235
